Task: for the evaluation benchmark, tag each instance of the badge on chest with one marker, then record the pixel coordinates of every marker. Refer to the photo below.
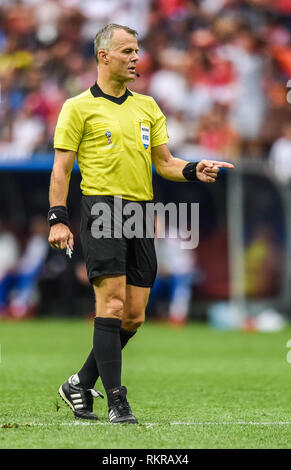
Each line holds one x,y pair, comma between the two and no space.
145,136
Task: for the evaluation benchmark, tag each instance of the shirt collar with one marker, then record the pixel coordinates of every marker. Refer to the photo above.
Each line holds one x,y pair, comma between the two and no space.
97,93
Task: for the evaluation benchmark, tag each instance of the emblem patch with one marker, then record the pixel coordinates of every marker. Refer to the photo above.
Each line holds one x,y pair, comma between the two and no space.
145,136
108,135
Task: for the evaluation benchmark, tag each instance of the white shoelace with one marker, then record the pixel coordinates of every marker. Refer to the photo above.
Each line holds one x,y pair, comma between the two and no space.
95,393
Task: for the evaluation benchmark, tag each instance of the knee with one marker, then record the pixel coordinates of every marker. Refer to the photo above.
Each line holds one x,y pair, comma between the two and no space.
114,308
131,325
133,322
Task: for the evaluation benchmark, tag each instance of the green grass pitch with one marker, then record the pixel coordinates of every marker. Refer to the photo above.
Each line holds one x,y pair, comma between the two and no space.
191,388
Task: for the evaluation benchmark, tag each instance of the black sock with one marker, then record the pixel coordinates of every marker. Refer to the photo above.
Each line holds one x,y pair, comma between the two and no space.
89,373
125,336
107,351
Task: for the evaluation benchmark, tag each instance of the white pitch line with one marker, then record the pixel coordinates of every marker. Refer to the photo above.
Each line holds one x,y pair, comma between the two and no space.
148,425
234,423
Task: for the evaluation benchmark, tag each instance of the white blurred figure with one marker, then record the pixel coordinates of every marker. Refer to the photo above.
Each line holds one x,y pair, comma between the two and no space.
47,13
163,83
24,298
249,103
168,85
27,134
199,101
134,14
280,155
179,130
175,277
98,13
212,7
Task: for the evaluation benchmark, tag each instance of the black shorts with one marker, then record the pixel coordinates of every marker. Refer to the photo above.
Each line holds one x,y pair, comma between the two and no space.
110,255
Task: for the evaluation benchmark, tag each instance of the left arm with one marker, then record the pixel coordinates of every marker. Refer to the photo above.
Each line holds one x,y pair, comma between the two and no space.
171,168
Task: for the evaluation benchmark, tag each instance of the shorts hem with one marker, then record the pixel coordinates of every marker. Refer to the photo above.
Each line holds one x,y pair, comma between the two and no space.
110,273
139,284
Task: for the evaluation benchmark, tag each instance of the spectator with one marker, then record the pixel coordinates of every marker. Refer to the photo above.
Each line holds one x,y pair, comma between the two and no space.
262,260
249,104
177,273
23,297
280,155
214,133
26,136
9,255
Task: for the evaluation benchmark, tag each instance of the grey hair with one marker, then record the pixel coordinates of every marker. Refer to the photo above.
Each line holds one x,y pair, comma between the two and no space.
104,37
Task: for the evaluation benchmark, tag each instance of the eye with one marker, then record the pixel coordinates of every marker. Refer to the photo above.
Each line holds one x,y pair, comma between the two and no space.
129,51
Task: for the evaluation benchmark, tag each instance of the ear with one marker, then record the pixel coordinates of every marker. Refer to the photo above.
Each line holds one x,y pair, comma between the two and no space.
103,56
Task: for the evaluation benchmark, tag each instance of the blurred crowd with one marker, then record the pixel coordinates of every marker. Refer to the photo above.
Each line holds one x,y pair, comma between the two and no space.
218,69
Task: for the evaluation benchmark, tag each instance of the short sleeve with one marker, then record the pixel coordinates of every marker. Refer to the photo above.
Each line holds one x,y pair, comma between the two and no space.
69,128
159,133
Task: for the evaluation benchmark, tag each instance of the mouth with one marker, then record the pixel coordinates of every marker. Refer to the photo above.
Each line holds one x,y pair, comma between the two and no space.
132,69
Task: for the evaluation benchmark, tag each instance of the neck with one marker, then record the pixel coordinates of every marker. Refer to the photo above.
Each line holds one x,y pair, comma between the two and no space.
111,87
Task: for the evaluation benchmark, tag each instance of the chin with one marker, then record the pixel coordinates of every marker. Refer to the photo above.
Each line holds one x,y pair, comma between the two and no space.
126,78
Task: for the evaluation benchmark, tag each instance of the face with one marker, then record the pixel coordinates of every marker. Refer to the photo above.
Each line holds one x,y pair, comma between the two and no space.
122,57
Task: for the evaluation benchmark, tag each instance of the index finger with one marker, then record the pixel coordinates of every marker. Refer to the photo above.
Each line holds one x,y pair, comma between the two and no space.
223,164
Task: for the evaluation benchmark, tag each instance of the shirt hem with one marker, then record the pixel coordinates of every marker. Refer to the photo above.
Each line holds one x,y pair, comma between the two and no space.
129,198
160,143
65,147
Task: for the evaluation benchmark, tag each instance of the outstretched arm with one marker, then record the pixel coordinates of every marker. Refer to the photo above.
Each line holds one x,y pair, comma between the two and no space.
171,168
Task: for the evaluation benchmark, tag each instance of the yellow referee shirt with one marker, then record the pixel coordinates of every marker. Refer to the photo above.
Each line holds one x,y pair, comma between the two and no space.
112,138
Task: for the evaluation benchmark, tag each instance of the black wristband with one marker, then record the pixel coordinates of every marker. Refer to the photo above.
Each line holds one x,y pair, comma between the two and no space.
58,215
189,171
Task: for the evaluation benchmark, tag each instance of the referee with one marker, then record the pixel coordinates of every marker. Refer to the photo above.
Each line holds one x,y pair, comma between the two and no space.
116,135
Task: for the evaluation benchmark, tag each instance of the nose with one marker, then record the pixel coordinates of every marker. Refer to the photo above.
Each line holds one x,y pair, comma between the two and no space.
135,57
